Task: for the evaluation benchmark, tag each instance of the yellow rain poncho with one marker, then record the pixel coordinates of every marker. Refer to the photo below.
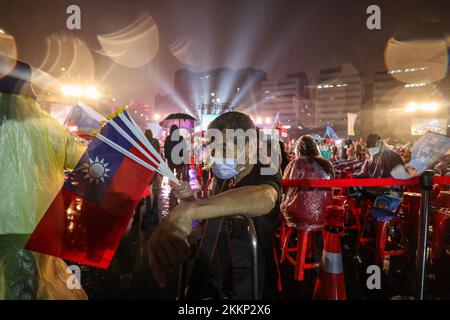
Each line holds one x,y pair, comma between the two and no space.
34,151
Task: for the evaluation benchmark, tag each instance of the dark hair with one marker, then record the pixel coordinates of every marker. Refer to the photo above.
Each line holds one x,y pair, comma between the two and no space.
148,134
232,120
16,78
307,147
372,140
173,128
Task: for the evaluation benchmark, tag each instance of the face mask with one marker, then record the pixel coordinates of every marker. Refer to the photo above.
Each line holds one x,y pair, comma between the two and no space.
225,169
374,151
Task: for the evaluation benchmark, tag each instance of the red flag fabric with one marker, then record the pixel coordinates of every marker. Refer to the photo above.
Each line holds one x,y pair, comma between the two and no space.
90,214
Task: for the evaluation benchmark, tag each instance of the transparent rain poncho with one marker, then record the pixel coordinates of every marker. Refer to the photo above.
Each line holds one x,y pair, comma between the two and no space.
305,207
35,150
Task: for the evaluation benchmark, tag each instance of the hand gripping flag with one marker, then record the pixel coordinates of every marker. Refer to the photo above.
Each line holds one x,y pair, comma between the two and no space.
88,217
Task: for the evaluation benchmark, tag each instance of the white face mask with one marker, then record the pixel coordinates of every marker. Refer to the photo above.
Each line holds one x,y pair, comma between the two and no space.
374,151
225,168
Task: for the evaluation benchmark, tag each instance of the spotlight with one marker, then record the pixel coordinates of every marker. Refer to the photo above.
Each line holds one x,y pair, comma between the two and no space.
91,93
424,107
433,106
72,91
77,91
411,107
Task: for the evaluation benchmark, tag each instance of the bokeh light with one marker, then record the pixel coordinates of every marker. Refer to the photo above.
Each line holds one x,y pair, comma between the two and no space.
8,48
183,50
417,53
133,46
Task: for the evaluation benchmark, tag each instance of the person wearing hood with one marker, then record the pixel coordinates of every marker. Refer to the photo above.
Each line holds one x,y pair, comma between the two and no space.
35,150
305,207
382,159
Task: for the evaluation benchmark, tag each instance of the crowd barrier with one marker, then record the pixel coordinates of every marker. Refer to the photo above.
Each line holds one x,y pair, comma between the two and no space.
354,182
425,181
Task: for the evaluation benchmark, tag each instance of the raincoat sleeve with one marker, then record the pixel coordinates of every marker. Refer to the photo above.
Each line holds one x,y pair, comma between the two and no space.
35,151
74,151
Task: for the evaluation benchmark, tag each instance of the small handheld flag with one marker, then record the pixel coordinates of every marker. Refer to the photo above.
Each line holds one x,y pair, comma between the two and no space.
88,217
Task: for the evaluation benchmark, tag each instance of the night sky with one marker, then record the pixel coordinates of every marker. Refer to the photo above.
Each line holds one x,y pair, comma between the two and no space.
277,36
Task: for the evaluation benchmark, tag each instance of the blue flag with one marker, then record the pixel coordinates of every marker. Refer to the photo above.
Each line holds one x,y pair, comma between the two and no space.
330,133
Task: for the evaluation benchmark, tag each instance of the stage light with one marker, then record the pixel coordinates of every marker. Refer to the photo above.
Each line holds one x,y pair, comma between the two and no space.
72,91
268,120
424,107
259,120
434,106
91,93
156,116
411,107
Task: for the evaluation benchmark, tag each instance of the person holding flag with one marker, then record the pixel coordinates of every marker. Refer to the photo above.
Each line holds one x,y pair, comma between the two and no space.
241,187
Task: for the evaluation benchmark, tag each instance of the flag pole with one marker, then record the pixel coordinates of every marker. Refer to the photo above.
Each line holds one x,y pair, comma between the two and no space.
125,152
138,133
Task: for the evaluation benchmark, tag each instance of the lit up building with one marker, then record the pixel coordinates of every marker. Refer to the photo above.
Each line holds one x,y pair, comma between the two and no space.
339,91
219,89
409,107
289,99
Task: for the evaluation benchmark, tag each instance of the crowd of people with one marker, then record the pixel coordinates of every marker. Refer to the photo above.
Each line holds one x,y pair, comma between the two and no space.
219,263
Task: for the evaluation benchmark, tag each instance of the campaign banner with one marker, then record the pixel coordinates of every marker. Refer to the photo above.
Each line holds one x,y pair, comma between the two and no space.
425,152
351,120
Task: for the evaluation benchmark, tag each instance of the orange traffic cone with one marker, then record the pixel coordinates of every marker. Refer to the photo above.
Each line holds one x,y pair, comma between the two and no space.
330,283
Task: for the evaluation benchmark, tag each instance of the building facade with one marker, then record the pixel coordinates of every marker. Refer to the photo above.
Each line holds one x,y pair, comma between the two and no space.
223,87
339,91
287,101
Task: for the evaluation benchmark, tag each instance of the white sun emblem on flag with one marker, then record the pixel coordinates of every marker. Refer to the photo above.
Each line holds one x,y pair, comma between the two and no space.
96,170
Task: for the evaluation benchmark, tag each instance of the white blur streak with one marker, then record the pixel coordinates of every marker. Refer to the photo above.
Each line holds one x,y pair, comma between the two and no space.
183,50
430,55
8,46
69,53
135,45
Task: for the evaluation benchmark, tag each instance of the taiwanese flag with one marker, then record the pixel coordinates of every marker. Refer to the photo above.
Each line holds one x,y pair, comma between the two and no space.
87,219
82,120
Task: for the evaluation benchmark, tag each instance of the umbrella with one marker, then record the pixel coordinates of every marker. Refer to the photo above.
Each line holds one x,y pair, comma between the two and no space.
181,120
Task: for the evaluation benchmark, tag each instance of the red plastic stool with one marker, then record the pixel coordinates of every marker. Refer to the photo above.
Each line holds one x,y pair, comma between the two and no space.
302,249
443,199
335,216
382,219
410,210
440,221
351,206
339,199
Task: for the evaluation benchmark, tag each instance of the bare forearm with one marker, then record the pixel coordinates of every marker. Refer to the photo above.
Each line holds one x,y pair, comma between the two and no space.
252,200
